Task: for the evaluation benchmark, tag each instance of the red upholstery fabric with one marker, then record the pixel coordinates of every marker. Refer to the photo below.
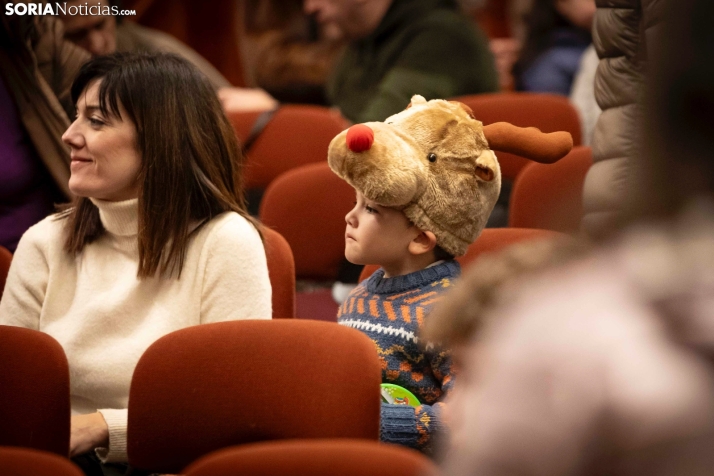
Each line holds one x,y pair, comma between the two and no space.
34,391
211,386
211,28
317,304
547,112
281,268
242,123
26,462
296,135
491,239
307,206
315,458
550,196
5,260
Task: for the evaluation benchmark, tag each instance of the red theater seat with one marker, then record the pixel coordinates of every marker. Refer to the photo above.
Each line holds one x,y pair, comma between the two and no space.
315,458
281,268
547,112
550,196
26,462
5,260
307,206
296,135
34,391
208,387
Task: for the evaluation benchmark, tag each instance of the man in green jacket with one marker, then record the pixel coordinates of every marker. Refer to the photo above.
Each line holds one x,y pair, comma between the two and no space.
398,48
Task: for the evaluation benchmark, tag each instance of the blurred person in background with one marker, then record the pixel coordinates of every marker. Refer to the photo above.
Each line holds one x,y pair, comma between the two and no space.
557,34
604,365
395,49
105,34
37,67
287,54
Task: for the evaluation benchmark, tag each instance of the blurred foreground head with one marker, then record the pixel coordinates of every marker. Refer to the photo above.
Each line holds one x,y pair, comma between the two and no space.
676,166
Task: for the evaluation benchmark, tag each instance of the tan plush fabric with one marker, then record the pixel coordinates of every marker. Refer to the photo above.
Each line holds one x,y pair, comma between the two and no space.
451,196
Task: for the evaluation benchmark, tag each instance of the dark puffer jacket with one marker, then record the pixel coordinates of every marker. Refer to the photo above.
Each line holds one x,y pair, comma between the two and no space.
622,34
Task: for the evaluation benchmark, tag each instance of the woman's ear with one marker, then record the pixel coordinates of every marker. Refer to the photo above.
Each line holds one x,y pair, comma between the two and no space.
424,242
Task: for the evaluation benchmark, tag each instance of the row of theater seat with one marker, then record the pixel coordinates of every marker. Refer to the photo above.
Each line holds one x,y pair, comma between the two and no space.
210,387
298,134
319,457
304,210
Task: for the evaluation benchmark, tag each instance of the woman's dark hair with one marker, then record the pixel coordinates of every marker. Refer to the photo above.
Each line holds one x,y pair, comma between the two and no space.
540,22
191,166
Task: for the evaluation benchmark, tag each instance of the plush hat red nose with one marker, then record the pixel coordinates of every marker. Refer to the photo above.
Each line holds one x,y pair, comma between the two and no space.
359,138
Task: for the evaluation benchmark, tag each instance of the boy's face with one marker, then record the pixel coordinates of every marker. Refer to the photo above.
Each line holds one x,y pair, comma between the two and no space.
376,234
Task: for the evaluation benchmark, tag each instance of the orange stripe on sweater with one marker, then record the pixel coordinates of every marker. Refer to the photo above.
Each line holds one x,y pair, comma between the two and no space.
373,308
389,309
406,314
420,297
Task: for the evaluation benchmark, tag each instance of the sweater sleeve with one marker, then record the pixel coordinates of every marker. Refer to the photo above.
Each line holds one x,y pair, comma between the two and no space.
27,280
117,423
422,426
236,283
423,68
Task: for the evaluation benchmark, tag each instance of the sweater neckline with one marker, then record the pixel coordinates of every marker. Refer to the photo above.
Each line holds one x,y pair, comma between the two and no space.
119,218
378,284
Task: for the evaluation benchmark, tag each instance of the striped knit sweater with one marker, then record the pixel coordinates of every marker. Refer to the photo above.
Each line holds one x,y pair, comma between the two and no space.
391,312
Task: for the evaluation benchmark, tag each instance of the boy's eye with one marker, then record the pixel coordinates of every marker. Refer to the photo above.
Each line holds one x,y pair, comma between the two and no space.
370,209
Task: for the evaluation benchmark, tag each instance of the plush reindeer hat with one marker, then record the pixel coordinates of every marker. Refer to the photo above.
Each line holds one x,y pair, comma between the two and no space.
435,162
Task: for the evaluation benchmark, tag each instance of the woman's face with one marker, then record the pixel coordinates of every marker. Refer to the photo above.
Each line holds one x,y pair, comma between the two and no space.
105,156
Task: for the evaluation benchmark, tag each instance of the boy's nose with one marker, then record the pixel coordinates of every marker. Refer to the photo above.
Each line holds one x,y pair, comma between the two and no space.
359,138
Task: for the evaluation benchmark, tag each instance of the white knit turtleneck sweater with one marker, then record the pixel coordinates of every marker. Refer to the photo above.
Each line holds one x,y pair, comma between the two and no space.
105,317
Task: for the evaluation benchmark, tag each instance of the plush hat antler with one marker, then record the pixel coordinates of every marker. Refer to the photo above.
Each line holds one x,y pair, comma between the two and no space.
435,162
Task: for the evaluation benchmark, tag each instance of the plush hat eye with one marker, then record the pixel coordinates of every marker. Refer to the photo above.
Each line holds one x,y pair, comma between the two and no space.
431,157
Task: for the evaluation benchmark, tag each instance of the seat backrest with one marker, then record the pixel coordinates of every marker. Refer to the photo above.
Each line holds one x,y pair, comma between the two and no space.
307,206
491,239
208,387
5,260
550,196
547,112
34,391
345,457
281,268
28,462
296,135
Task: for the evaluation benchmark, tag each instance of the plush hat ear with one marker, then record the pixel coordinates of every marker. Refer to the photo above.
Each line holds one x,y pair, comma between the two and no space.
528,142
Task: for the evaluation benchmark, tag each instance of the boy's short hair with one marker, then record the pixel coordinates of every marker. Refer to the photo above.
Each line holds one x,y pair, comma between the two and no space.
460,314
440,254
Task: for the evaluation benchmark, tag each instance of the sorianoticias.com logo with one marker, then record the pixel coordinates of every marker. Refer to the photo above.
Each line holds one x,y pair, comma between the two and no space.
64,9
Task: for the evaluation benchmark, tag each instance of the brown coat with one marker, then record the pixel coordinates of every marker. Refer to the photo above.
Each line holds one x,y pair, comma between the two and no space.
623,32
39,73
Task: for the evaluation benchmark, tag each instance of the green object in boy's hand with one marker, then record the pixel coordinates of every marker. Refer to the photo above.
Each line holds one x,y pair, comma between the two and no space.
397,395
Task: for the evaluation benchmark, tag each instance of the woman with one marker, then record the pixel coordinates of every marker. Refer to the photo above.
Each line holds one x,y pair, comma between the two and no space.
157,240
558,35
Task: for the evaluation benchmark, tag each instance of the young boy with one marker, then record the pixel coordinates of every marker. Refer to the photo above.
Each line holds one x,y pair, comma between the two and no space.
390,308
426,182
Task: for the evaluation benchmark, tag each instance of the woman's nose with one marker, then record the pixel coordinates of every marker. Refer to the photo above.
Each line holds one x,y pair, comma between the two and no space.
72,137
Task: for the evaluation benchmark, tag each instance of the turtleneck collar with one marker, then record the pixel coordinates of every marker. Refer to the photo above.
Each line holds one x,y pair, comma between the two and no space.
378,284
119,218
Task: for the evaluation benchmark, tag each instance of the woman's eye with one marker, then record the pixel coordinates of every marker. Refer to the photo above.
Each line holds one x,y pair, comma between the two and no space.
95,122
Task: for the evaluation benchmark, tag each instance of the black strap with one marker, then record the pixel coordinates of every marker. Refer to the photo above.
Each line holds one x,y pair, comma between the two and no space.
258,127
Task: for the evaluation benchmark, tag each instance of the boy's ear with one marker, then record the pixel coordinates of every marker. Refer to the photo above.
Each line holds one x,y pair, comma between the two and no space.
424,242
